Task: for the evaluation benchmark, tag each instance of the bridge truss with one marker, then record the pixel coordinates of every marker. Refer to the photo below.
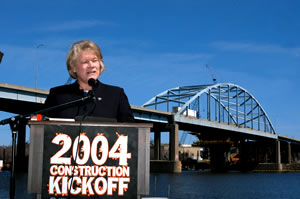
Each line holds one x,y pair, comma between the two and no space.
224,103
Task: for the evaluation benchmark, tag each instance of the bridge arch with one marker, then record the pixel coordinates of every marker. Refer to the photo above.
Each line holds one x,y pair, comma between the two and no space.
224,102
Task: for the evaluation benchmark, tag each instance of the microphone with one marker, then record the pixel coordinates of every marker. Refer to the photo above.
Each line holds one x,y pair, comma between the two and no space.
92,82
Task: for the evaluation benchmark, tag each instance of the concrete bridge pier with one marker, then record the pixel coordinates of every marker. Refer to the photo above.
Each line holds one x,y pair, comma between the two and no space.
174,148
172,165
289,153
278,155
157,135
174,142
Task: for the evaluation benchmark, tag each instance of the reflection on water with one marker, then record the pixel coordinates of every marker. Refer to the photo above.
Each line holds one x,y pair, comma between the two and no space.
21,185
198,184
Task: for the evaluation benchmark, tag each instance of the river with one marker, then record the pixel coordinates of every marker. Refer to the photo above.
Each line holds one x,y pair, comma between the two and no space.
199,184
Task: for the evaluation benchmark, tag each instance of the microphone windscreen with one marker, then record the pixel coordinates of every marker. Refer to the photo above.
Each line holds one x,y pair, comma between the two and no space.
92,82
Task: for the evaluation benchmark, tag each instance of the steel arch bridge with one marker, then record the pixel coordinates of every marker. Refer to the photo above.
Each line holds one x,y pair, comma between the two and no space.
224,103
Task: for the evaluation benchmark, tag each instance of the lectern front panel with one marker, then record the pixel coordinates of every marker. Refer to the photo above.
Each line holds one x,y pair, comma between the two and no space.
90,161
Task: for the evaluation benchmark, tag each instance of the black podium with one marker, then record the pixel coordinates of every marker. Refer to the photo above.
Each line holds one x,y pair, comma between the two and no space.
88,159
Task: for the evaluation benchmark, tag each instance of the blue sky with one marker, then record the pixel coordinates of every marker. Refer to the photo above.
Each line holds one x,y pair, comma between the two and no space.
150,46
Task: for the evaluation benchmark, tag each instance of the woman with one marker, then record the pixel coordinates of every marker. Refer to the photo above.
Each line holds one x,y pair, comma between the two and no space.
85,61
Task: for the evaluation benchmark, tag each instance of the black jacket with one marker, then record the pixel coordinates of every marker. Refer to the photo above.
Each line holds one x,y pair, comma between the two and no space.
111,102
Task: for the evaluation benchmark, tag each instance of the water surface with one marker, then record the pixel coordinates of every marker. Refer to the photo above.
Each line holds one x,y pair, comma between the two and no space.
199,184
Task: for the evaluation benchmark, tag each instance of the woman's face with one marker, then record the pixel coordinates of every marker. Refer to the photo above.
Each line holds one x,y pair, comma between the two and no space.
87,66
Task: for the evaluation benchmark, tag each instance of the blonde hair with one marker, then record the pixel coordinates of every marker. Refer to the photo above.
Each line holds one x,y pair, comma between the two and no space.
76,50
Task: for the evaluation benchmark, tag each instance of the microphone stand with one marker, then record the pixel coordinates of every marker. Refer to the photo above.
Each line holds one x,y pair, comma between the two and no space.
14,125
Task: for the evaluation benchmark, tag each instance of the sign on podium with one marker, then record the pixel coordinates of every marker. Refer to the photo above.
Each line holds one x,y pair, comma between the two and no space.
88,160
